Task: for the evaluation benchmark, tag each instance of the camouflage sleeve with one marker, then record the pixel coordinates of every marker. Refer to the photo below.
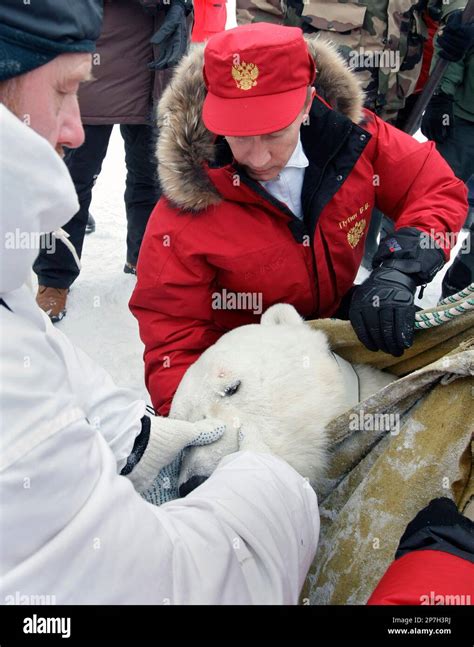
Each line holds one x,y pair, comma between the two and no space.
249,11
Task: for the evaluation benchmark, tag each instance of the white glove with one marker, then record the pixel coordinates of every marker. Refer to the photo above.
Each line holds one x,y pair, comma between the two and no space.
168,438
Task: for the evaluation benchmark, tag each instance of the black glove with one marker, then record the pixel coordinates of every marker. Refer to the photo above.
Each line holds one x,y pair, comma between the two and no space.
438,118
382,310
412,252
172,37
455,38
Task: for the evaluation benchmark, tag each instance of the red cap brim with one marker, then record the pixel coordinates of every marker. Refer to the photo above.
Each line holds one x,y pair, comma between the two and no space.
249,116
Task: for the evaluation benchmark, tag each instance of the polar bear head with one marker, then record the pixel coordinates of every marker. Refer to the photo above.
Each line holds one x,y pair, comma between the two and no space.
277,379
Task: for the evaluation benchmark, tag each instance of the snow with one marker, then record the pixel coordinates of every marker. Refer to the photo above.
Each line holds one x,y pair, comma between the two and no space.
98,318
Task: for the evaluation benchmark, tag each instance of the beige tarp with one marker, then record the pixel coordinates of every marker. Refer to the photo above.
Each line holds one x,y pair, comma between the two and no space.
378,479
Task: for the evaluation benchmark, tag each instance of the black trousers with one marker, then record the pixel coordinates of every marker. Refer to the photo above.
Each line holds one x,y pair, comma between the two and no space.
458,151
142,191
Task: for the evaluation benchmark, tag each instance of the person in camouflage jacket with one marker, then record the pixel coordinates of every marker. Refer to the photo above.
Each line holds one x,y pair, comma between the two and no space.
382,40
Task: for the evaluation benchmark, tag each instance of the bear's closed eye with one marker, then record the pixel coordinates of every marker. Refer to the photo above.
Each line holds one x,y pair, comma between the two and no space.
231,389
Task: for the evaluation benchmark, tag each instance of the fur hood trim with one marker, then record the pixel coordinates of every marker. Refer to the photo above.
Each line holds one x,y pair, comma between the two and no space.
185,144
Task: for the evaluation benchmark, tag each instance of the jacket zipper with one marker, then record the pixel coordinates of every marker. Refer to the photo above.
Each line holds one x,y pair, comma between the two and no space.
262,192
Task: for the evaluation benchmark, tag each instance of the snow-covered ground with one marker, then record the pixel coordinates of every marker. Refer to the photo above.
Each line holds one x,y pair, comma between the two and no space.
98,318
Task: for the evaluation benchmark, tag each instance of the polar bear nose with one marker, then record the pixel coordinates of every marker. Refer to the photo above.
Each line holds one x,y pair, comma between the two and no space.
191,484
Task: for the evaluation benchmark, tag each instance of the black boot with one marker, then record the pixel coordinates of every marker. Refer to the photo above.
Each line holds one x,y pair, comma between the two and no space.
129,268
90,227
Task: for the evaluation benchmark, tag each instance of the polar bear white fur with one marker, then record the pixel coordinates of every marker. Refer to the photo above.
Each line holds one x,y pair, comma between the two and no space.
276,381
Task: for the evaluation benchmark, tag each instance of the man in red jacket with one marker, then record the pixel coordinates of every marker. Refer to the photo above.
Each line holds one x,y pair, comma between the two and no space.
268,186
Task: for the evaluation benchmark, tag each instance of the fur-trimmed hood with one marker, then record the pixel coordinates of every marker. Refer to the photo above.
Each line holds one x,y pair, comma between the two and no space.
185,144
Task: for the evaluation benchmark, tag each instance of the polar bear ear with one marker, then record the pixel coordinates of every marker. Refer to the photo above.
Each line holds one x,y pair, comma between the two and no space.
281,314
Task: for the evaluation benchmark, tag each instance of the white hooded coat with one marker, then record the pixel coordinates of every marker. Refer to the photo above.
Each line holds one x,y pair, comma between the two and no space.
71,526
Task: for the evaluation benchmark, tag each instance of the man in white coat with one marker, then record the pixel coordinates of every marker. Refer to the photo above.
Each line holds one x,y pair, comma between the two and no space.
75,450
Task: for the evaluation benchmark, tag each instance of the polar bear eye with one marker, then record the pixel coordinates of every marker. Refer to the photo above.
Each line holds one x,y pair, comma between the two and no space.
231,388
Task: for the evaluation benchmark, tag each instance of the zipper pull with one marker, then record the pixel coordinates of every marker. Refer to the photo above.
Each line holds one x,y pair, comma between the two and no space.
422,290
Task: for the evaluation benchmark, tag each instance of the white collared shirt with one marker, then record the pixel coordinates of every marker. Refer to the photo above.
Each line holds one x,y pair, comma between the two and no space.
287,186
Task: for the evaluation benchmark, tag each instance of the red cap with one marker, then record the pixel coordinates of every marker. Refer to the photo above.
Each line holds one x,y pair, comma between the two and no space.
257,76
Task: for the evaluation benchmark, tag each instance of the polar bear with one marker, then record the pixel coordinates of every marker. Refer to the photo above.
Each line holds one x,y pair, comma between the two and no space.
278,381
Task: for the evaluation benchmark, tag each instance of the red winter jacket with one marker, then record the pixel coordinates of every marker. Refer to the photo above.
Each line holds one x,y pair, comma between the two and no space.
210,17
426,577
217,230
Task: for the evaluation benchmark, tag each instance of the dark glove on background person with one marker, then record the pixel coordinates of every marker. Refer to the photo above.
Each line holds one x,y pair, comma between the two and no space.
382,310
438,118
172,37
455,38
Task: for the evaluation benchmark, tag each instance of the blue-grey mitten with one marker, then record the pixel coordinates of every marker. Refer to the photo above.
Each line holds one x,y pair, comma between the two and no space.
155,475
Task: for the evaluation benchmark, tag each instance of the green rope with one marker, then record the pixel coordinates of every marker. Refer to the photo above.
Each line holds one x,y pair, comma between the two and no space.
446,310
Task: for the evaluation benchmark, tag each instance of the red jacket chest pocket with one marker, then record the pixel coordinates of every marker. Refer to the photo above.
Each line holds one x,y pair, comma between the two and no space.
281,273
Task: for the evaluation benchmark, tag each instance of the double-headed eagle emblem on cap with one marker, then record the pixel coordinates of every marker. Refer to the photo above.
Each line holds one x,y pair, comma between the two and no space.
245,75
